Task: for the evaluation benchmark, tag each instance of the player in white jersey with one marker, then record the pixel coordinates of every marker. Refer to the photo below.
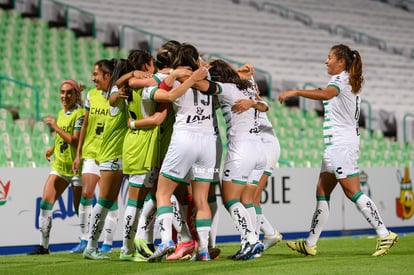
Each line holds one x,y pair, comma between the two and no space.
191,149
272,152
341,100
245,161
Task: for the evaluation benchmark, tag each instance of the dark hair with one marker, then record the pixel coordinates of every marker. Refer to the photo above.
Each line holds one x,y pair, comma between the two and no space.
105,65
137,59
167,54
221,71
187,55
353,65
120,69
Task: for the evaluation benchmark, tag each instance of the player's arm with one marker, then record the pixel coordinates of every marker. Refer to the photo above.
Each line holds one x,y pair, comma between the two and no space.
316,94
163,94
152,121
136,74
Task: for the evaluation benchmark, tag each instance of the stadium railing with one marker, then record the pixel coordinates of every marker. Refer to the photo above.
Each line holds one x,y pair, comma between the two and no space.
23,84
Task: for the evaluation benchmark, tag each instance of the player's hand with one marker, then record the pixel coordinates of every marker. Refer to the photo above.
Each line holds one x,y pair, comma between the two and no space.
75,164
181,72
286,94
242,105
48,154
199,74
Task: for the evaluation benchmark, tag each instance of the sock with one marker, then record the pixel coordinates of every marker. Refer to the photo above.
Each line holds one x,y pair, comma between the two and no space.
111,222
320,217
164,218
203,229
215,220
130,226
263,223
241,220
45,222
97,222
368,208
252,216
180,225
146,219
85,209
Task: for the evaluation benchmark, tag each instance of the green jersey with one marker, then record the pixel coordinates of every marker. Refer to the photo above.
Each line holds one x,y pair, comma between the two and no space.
114,133
98,107
64,154
141,146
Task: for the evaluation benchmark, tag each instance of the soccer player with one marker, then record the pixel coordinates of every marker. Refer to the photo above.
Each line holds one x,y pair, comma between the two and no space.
341,100
272,152
243,166
90,139
193,125
67,128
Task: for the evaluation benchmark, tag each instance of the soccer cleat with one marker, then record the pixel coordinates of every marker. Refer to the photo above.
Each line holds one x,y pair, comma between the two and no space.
384,244
203,256
181,251
214,252
80,247
94,254
39,250
163,248
249,251
106,248
302,247
269,241
143,247
233,257
134,257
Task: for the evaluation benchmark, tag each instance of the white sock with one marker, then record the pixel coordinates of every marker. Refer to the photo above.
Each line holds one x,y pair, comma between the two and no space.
203,227
97,222
266,227
45,224
252,216
214,224
320,217
146,221
111,222
368,208
84,217
164,220
130,228
179,222
241,220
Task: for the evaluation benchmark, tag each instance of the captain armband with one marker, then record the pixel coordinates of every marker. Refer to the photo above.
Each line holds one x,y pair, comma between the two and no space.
212,88
164,86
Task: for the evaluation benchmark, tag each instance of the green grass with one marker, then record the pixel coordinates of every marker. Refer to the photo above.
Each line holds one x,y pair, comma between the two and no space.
346,255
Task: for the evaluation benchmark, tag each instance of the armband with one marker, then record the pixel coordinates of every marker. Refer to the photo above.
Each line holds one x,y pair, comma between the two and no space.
164,86
132,125
212,88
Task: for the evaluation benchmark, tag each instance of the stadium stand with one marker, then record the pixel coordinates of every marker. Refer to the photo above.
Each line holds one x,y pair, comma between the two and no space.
291,49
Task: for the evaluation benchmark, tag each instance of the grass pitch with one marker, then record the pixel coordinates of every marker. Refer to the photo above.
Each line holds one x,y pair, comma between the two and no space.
345,255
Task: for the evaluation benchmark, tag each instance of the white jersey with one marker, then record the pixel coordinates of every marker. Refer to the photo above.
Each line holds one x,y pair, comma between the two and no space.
340,126
194,112
239,126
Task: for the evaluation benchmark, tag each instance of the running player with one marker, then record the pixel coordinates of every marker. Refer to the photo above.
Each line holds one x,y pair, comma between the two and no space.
341,99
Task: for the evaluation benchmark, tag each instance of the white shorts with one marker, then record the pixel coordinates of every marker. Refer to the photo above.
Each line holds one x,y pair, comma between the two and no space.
72,180
341,161
144,180
90,166
272,151
190,151
111,165
245,161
